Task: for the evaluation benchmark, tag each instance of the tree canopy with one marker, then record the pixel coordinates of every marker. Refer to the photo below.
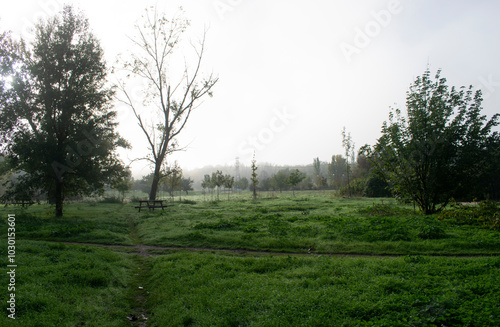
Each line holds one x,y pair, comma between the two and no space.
441,148
57,125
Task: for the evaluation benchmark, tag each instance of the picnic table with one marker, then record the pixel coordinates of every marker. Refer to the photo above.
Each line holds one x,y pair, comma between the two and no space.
22,203
150,204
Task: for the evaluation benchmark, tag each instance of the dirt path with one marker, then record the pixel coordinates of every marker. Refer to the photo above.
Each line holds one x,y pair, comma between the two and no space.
139,315
143,250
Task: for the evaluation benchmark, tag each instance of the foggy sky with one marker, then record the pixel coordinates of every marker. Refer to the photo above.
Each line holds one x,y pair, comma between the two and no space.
293,73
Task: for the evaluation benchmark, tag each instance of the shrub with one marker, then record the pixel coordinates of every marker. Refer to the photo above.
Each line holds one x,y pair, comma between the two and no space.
357,188
136,198
377,188
430,229
111,199
486,213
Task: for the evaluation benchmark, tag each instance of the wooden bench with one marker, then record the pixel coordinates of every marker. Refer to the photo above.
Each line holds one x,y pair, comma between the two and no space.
151,205
23,203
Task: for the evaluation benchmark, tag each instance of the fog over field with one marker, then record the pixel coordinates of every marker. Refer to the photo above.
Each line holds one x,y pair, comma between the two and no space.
293,73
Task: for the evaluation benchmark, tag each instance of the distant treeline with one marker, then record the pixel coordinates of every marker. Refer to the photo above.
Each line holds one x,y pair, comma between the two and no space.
319,175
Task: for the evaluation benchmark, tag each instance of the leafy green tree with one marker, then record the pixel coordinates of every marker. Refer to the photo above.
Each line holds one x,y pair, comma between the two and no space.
320,181
241,184
57,125
206,183
228,184
172,177
144,183
376,187
294,178
362,167
336,171
9,57
265,182
187,184
439,150
306,184
217,181
280,179
123,184
317,171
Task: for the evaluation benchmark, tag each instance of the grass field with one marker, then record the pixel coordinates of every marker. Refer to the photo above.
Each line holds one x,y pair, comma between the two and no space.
304,260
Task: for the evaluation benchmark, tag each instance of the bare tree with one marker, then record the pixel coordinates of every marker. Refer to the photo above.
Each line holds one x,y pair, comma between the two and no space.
168,99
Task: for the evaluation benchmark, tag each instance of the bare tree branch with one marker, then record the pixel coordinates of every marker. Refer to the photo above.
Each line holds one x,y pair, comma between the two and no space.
157,41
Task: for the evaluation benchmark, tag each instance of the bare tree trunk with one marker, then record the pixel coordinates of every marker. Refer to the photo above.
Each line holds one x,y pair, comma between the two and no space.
155,183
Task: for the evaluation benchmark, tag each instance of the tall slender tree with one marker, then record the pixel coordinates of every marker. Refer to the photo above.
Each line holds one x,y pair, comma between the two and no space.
254,179
295,178
206,184
168,99
217,181
228,184
348,145
336,171
172,177
57,122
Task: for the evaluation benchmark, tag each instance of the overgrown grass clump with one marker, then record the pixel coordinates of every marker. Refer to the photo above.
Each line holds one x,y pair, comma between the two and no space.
202,289
67,285
485,214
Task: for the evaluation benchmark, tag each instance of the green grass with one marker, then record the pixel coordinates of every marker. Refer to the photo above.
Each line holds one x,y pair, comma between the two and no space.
67,285
76,285
203,289
313,224
82,222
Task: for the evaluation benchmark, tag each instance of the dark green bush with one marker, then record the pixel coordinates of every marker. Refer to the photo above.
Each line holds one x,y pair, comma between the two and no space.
376,187
356,187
